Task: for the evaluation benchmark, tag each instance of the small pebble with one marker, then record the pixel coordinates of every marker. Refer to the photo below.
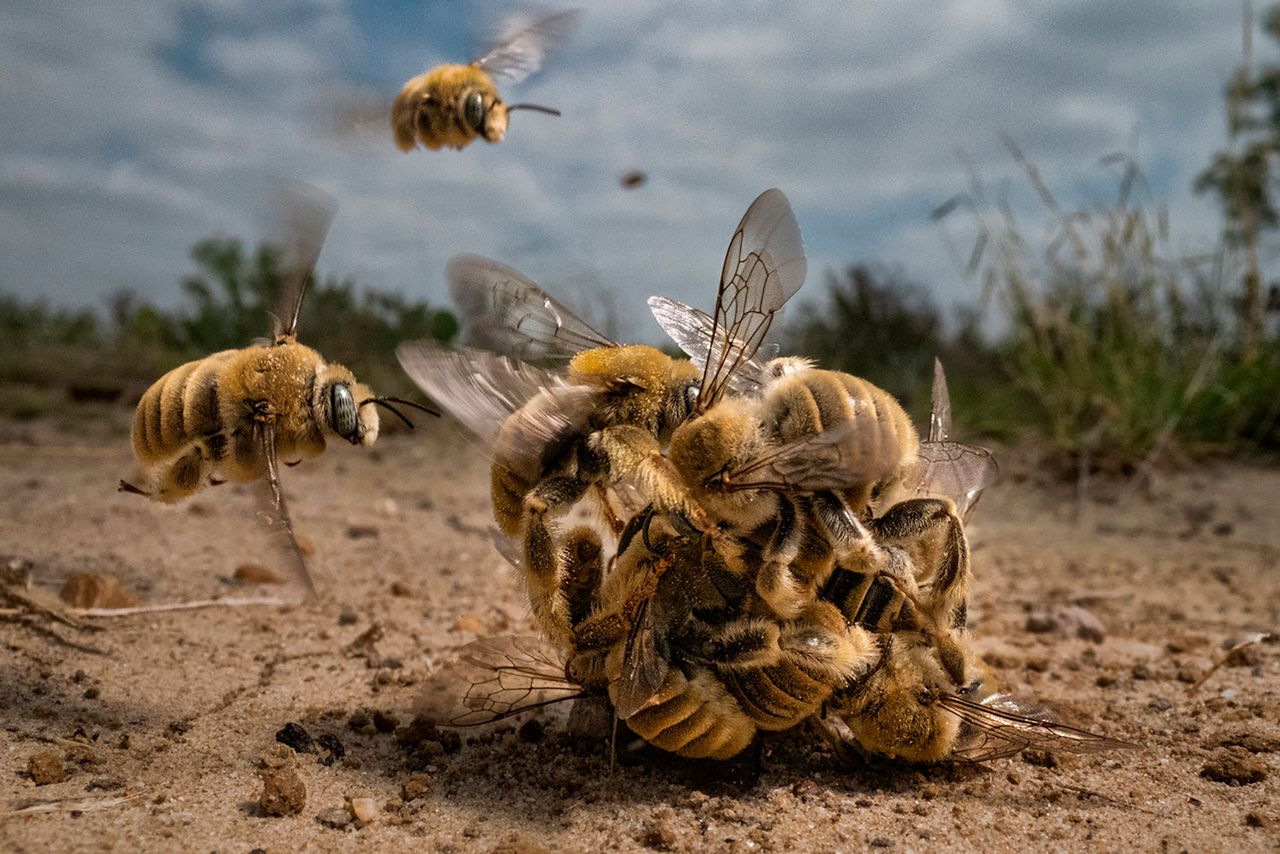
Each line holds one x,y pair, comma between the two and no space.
348,616
334,817
362,532
399,588
255,573
363,810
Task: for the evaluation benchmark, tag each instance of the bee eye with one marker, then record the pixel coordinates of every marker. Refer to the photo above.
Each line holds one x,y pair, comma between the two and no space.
342,412
473,111
691,396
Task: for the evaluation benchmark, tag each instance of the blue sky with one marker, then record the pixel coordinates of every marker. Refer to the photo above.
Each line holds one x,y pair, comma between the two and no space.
134,128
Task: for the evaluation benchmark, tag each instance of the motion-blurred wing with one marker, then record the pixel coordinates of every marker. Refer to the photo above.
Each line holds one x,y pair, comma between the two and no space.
841,457
520,414
692,329
940,411
999,727
505,312
763,268
308,213
525,44
496,678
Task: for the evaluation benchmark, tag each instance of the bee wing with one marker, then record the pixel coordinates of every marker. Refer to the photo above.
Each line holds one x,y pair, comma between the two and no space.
276,511
841,457
940,411
643,668
496,678
692,330
308,213
763,267
999,727
507,313
959,471
483,390
524,44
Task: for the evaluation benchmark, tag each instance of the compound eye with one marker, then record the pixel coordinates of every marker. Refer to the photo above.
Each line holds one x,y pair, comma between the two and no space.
473,111
691,396
342,415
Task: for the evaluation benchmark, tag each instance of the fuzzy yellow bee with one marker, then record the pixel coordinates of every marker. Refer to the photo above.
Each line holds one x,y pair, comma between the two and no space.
451,105
235,414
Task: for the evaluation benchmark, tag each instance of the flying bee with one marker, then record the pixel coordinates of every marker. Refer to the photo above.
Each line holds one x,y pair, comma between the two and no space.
451,105
607,417
233,415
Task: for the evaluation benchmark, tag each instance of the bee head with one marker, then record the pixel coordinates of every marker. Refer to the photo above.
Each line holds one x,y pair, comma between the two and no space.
484,114
339,405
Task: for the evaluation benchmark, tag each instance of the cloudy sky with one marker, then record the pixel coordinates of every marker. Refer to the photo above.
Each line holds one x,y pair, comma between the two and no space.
133,128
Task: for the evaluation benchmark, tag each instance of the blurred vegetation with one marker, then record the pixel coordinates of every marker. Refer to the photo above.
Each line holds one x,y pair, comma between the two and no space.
49,355
1107,343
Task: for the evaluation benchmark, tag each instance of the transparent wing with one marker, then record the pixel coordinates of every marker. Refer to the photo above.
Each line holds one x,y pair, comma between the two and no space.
505,312
959,471
483,391
940,411
692,329
841,457
525,44
276,510
643,669
999,727
496,678
308,213
763,268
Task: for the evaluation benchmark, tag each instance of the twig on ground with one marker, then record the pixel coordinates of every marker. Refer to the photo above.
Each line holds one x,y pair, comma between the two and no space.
179,606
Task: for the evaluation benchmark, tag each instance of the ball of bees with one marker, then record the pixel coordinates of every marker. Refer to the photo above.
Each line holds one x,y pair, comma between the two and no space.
779,546
452,105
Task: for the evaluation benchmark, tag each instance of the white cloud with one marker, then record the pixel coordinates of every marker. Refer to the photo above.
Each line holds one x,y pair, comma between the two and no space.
114,159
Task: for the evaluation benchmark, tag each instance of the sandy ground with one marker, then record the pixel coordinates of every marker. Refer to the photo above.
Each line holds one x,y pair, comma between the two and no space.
177,709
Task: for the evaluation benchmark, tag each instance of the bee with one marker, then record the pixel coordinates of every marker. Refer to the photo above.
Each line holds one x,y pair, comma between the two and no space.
555,435
787,399
451,105
235,414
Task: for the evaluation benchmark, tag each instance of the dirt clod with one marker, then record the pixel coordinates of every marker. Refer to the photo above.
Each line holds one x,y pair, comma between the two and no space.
283,792
362,532
87,590
415,787
330,748
1235,767
348,616
399,588
46,767
658,835
278,755
294,735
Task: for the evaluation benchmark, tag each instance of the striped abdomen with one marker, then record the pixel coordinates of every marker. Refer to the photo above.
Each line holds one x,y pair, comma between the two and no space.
179,408
811,401
694,716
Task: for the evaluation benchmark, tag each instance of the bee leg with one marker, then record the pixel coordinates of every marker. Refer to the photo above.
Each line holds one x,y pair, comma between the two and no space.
931,533
544,560
181,477
606,509
635,452
743,644
776,584
126,486
584,571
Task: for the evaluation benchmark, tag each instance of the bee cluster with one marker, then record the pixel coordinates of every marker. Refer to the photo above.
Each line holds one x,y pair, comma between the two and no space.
723,545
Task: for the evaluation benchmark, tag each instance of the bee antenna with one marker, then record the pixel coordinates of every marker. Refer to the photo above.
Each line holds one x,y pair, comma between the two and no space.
385,403
536,107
